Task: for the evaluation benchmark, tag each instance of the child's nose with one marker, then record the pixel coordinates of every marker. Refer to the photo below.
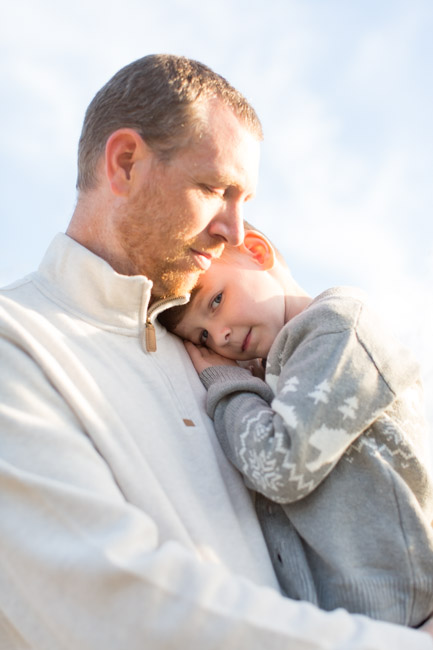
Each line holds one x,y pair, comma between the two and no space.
222,335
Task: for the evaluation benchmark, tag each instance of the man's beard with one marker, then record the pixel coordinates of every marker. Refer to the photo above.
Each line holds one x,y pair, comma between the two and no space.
175,283
156,245
173,275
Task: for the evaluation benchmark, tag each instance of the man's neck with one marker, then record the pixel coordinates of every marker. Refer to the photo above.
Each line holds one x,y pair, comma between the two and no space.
91,226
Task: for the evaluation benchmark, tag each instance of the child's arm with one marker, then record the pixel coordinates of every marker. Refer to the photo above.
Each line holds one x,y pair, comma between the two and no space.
328,392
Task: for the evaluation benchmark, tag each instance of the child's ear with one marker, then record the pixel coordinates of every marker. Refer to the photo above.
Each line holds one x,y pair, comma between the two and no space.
260,249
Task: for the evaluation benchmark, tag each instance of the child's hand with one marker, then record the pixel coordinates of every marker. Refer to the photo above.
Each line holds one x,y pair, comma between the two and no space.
428,626
203,358
255,367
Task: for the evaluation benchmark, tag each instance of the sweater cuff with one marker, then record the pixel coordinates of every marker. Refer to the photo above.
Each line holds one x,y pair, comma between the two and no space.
229,381
215,374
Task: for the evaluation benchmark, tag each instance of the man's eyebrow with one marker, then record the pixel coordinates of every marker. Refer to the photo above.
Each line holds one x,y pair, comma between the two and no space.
222,179
225,179
217,179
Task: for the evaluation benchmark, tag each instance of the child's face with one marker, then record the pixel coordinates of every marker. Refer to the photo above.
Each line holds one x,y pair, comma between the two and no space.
238,311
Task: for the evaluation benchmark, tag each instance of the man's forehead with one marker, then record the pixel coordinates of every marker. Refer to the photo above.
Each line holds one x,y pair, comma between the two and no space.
232,148
214,112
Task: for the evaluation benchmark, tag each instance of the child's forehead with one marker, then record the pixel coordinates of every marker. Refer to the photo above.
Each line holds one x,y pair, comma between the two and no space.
190,324
192,310
214,279
196,300
196,310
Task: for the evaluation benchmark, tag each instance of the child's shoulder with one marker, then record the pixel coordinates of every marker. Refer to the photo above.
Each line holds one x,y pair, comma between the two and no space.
345,314
335,309
341,298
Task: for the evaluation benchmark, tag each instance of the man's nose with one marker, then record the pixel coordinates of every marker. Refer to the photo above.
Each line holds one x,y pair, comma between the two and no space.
229,223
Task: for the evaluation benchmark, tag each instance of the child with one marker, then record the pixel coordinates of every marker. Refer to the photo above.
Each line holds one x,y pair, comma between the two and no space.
332,442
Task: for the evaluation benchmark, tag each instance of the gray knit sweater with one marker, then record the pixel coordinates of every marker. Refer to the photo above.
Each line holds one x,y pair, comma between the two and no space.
334,445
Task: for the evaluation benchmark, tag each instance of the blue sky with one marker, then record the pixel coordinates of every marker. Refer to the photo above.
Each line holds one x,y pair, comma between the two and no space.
345,94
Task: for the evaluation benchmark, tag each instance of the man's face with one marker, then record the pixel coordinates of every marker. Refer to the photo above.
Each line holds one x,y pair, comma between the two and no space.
188,208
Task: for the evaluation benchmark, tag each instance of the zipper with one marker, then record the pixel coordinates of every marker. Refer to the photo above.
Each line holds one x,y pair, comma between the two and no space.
152,313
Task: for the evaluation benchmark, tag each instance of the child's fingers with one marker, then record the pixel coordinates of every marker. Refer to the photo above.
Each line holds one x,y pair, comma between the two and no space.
195,353
192,350
202,357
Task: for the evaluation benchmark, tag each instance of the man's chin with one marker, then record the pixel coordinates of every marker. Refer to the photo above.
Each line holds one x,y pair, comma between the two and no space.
174,284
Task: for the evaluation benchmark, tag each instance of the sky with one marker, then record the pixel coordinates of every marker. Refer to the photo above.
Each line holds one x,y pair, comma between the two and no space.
345,95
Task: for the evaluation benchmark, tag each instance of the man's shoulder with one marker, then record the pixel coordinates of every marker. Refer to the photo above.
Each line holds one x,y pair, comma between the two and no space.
11,288
16,292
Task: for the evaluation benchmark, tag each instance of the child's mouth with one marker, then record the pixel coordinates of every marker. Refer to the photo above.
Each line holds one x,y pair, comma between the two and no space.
246,340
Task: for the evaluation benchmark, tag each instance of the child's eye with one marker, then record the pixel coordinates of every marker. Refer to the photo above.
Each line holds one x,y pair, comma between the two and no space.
216,301
203,337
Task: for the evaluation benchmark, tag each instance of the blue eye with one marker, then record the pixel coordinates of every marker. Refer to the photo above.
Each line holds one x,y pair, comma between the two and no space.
216,301
203,337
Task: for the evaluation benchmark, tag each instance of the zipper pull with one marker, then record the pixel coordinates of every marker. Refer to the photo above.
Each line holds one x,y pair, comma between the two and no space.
150,337
149,333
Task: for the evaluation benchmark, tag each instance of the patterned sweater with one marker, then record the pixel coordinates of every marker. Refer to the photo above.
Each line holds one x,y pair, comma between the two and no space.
334,445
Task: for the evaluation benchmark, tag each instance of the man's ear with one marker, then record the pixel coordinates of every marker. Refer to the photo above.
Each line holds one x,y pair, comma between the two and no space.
260,249
124,147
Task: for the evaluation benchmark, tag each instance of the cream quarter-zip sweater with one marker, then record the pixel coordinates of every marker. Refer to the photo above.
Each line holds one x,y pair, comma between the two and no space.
123,526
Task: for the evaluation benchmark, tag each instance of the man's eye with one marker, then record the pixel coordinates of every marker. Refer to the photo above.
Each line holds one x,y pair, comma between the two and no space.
203,337
215,191
216,301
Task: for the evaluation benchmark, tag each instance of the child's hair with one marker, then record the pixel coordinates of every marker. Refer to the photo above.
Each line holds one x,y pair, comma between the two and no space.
171,318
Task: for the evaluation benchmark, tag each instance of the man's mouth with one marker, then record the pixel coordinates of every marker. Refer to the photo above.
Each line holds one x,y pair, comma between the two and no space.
246,342
203,260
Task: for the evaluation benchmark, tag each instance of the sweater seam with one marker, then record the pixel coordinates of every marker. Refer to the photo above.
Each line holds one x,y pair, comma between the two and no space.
406,543
368,353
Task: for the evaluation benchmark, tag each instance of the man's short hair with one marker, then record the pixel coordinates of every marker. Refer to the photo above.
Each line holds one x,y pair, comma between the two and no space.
158,96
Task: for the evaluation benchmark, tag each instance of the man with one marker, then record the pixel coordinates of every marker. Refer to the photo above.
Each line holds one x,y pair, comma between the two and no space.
123,526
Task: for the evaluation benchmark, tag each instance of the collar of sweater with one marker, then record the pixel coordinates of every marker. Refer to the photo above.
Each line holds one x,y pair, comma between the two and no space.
88,286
